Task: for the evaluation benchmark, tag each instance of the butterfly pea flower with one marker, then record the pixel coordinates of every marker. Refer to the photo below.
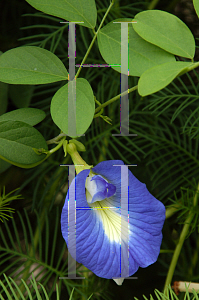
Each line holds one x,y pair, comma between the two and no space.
97,193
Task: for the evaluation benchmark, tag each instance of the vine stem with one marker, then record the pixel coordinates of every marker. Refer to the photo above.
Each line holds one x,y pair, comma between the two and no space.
94,38
177,252
115,98
178,248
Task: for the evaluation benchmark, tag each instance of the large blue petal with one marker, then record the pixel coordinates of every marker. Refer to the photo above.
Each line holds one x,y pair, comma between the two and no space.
98,229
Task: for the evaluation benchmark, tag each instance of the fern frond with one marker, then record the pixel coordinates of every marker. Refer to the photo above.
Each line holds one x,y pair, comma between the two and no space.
47,33
4,202
178,96
23,258
169,294
171,155
184,205
13,291
38,291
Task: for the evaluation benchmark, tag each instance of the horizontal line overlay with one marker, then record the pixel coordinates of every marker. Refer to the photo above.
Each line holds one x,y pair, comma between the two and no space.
98,207
96,65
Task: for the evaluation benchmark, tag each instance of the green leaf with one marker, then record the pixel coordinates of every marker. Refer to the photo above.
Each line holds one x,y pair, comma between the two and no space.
85,107
160,76
142,55
31,116
17,140
70,10
3,97
21,94
196,6
31,65
165,31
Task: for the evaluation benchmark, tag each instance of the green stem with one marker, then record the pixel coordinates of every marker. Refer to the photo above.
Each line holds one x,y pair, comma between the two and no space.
188,69
99,114
85,282
170,211
192,67
94,38
178,248
101,111
177,252
56,139
58,146
115,98
153,4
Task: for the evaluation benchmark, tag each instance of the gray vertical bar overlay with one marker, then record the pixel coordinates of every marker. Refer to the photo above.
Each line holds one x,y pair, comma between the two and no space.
71,225
124,254
72,131
124,103
124,221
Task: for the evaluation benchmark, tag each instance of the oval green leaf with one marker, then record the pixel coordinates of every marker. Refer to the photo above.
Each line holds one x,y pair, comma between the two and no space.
31,65
165,31
196,6
70,10
17,140
160,76
31,116
85,107
142,55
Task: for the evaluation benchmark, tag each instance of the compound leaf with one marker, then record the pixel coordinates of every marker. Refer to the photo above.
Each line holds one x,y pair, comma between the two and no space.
142,55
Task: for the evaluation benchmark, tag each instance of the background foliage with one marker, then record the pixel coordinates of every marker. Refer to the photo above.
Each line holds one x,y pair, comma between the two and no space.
165,151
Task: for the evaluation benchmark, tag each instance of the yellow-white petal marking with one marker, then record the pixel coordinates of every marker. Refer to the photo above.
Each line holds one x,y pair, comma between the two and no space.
106,212
111,220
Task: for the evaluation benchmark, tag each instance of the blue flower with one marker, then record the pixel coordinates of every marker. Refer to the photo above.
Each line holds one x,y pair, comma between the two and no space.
97,213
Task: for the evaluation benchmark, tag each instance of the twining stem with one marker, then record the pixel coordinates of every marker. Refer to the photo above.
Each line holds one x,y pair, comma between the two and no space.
178,248
115,98
94,38
58,146
56,139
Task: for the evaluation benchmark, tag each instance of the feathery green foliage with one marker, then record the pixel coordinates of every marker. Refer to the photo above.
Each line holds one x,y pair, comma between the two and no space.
165,149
